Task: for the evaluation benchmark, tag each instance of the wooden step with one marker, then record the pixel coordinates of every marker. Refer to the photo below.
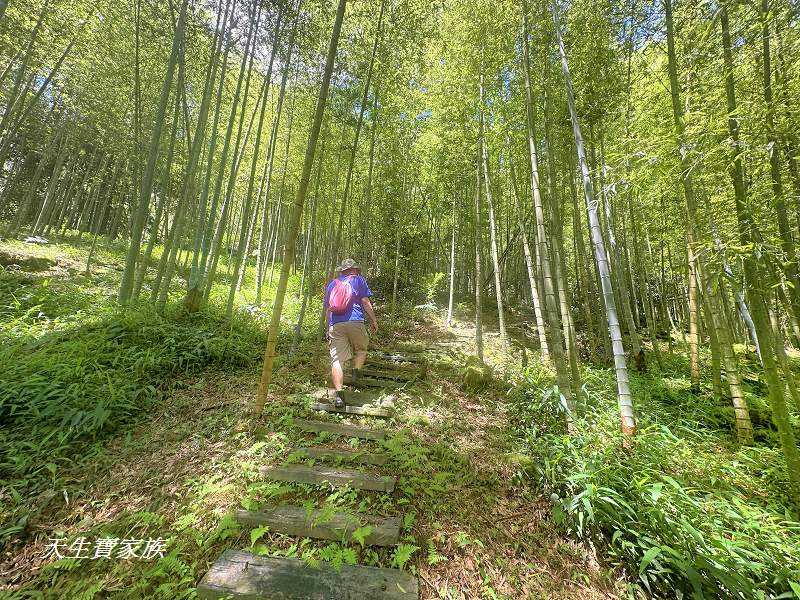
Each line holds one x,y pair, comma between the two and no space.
322,475
391,363
350,456
371,411
339,526
400,357
370,382
355,397
407,369
407,346
375,372
455,343
345,430
388,370
361,397
238,574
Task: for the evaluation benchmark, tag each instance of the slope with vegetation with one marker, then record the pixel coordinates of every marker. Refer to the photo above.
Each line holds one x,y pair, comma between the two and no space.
591,209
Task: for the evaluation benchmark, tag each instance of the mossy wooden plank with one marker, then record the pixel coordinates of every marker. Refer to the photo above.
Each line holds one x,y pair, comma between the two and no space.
369,382
242,575
398,357
362,397
371,411
319,524
375,397
345,430
323,475
397,369
392,360
387,364
350,456
411,347
375,372
419,369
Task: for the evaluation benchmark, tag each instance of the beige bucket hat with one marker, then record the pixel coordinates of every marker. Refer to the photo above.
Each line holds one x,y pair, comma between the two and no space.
347,264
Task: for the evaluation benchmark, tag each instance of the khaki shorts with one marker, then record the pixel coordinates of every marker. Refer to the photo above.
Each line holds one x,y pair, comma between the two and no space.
347,339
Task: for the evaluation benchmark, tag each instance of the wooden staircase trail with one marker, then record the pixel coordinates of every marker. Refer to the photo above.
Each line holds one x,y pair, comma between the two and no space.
238,574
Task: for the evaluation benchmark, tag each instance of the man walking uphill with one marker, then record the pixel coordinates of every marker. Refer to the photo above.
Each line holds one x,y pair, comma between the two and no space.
346,304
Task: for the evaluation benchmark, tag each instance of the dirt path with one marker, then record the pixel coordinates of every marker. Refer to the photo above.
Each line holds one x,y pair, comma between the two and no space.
471,526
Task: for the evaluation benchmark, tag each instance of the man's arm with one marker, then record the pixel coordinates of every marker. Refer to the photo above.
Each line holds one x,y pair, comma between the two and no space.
327,312
373,323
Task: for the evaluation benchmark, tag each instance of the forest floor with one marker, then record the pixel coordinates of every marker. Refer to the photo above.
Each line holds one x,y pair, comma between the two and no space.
473,525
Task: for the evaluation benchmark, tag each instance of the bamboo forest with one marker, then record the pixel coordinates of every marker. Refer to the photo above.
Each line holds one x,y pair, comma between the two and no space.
398,299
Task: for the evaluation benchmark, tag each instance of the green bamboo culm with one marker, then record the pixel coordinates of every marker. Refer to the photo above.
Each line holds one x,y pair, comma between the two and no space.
143,204
297,213
754,276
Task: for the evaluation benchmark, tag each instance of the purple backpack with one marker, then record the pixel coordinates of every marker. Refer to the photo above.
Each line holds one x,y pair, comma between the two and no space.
341,297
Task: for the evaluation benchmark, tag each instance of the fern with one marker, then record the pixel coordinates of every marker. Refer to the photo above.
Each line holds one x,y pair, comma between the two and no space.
434,558
325,515
402,554
361,534
257,534
349,556
332,553
185,521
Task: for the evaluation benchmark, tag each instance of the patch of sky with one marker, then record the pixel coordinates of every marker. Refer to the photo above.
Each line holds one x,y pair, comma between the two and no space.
507,76
643,27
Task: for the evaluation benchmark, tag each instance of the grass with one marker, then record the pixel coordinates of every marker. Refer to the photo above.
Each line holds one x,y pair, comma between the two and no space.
77,368
174,461
684,510
133,425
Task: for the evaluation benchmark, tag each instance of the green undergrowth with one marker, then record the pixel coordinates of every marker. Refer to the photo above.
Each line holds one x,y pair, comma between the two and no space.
683,511
78,369
61,397
200,524
179,466
422,478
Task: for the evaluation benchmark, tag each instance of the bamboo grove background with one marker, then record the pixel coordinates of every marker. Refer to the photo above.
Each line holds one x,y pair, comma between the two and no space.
623,167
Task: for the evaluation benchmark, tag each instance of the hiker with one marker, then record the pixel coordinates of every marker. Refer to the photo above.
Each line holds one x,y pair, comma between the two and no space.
346,304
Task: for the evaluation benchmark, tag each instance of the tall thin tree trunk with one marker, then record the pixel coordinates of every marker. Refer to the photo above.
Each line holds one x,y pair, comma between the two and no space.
452,267
552,320
753,273
305,284
359,123
558,260
773,147
297,212
398,234
492,226
267,178
143,207
478,273
625,400
688,190
526,249
48,197
162,201
246,209
200,281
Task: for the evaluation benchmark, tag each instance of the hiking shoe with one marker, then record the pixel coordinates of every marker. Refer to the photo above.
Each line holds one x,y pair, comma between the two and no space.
338,403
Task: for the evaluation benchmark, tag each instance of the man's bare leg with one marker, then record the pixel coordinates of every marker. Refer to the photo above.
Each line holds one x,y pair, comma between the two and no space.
359,359
337,376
